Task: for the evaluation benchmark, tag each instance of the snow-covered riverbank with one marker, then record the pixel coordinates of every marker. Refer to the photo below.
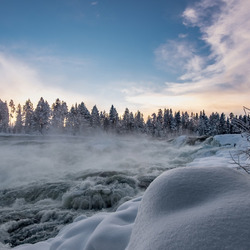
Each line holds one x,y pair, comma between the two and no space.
202,201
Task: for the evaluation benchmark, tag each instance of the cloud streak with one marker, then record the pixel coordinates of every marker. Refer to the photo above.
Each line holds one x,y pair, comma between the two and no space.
227,35
222,74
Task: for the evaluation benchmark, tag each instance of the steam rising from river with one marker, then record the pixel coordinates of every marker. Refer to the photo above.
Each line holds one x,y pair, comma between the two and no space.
46,182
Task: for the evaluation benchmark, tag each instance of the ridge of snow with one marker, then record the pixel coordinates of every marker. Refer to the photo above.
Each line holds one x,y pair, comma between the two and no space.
194,208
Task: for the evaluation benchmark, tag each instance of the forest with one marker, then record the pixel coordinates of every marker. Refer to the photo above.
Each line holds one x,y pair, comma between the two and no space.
78,120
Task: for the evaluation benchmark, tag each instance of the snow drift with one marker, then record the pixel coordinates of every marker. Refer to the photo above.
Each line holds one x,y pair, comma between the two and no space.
184,208
194,208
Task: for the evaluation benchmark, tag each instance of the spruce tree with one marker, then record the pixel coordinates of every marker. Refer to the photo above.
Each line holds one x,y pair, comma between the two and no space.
126,121
42,115
4,117
113,118
59,115
28,115
18,128
95,118
139,122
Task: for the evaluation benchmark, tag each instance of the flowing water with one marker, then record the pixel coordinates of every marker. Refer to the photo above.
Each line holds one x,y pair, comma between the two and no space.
46,182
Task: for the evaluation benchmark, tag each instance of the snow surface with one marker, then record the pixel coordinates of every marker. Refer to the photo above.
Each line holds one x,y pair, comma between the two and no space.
106,231
194,208
205,205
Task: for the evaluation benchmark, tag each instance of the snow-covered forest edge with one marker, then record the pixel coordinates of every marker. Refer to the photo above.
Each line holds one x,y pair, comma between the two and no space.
78,120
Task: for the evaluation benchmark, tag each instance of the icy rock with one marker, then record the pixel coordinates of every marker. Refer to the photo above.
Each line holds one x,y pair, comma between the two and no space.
194,208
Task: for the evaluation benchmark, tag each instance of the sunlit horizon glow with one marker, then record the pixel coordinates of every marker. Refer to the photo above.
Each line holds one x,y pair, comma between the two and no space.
189,56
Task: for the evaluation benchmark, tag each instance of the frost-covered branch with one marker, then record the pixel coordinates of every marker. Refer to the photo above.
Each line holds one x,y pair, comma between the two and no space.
244,126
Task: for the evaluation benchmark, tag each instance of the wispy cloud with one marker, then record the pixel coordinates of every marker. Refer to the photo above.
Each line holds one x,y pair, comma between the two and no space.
182,57
19,81
221,77
43,74
181,35
227,35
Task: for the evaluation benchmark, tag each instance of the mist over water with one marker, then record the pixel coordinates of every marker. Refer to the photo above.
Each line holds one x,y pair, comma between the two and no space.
46,182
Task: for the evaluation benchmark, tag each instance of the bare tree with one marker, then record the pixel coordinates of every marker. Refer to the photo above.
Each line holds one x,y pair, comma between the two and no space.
244,126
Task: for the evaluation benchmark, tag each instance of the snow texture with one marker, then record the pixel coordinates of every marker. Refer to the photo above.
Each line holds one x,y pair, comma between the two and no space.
104,231
194,208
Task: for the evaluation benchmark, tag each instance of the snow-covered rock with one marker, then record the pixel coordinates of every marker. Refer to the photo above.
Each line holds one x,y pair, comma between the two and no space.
194,208
103,231
229,140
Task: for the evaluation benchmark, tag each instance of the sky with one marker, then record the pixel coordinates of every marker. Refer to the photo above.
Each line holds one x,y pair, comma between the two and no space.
187,55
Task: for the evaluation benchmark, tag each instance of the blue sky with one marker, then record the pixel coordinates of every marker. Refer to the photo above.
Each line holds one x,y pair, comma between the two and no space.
144,55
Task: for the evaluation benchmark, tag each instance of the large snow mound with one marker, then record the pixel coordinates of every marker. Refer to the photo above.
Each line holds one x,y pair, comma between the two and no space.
194,208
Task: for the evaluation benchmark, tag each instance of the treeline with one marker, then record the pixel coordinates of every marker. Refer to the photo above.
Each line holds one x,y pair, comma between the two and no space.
78,120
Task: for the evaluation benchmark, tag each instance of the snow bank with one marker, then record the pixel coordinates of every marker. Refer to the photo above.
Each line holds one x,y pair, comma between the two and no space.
194,208
229,140
103,231
224,147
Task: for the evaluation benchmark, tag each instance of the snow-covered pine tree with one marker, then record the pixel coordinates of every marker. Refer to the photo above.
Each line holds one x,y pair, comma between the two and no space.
42,115
153,124
172,123
131,122
228,126
159,124
84,118
28,115
77,120
18,128
103,115
166,122
149,126
214,121
177,119
184,122
59,114
139,122
95,118
194,123
203,126
4,117
104,119
11,113
125,121
113,118
70,121
222,124
232,128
